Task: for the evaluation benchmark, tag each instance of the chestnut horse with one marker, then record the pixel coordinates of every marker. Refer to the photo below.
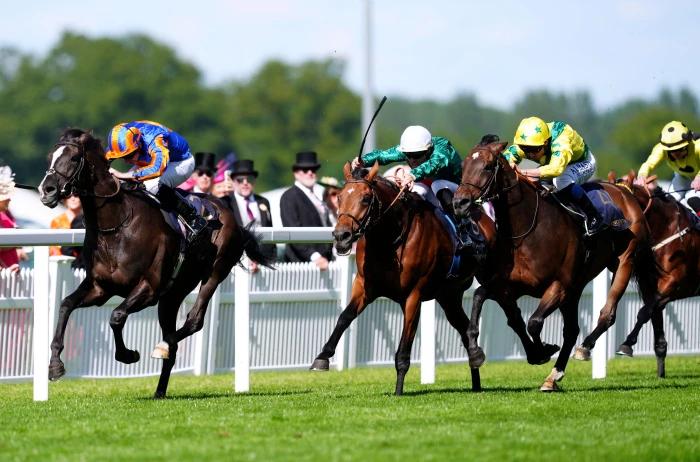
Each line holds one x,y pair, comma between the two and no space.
540,252
677,249
404,253
132,252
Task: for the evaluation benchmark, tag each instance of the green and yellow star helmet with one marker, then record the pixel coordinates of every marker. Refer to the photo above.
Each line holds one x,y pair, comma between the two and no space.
532,131
675,135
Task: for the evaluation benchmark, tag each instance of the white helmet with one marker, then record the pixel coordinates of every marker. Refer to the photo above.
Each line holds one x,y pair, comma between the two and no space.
415,139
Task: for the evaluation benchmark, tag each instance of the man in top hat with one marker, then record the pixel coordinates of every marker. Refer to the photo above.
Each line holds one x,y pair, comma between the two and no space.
204,169
302,205
247,206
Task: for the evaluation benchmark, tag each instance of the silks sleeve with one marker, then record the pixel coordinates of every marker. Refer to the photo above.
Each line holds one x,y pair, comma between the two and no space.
513,154
654,159
562,152
384,157
160,155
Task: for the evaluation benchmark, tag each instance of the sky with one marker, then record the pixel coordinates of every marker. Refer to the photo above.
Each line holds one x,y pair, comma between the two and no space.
496,50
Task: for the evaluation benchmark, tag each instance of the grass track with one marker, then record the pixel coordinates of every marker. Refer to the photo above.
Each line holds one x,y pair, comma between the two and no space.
352,415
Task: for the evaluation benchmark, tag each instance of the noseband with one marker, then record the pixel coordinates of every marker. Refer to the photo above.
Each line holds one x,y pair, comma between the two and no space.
366,222
484,190
69,187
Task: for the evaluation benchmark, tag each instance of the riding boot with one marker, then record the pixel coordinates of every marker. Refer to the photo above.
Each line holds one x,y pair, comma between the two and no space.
172,201
694,203
594,221
468,235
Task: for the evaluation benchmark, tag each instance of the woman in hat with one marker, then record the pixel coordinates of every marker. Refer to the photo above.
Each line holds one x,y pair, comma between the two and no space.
9,256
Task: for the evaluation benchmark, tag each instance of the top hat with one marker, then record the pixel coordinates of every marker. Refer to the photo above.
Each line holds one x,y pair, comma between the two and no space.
205,161
306,159
243,167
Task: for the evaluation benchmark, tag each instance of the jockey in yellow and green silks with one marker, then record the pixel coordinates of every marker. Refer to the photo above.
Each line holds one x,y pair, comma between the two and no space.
681,152
564,159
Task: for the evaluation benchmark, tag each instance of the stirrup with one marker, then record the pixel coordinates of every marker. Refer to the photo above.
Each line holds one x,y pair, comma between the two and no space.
195,227
591,229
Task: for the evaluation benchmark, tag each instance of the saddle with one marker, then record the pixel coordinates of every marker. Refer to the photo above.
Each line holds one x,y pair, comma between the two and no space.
467,242
610,213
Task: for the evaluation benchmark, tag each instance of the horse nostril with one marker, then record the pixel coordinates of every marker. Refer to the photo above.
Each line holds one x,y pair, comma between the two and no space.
341,236
49,190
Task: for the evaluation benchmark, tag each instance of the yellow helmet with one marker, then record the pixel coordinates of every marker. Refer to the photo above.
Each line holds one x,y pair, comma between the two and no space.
675,135
532,131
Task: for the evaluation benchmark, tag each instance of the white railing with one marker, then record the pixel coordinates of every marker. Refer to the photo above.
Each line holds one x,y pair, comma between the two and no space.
281,320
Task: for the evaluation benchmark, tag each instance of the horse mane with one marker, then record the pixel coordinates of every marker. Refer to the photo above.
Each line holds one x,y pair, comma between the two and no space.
74,134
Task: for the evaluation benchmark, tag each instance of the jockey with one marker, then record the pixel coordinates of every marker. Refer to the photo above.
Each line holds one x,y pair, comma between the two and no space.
161,159
436,167
682,154
435,172
564,159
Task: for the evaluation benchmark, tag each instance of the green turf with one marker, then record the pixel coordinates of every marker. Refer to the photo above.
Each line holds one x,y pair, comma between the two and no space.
352,415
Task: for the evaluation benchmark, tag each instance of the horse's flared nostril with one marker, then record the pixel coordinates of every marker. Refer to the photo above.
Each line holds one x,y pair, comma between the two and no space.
341,235
49,190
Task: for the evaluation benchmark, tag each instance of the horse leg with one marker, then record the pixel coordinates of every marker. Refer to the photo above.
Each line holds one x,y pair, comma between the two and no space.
137,300
476,354
643,316
167,317
402,360
660,344
607,314
451,304
86,294
569,311
549,302
358,302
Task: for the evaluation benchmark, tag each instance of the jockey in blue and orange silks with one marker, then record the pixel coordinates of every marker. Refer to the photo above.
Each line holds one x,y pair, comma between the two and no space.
161,160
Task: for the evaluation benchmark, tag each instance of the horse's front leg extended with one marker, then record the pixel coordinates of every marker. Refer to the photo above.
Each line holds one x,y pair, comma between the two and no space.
476,354
139,298
87,294
402,360
549,302
358,302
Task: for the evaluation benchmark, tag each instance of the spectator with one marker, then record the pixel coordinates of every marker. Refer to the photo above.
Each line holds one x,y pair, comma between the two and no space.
331,190
64,220
247,206
204,169
302,205
80,261
9,256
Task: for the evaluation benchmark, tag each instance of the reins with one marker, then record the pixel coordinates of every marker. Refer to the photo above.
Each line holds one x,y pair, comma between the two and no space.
70,183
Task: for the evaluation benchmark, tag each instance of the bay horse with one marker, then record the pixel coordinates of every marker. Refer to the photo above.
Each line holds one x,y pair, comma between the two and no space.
404,253
132,252
540,252
677,250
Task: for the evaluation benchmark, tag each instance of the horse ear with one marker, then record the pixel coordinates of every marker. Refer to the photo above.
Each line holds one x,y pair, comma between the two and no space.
498,148
631,176
373,171
612,176
347,171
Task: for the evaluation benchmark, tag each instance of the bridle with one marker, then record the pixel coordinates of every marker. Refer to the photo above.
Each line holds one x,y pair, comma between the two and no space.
69,187
366,222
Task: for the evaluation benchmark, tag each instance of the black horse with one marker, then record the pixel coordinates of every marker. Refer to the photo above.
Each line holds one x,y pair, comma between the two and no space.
133,253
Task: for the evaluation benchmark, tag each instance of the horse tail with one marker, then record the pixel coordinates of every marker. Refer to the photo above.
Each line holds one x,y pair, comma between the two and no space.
253,247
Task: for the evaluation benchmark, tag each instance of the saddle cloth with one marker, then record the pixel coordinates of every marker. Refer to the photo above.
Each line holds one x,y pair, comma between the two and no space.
601,200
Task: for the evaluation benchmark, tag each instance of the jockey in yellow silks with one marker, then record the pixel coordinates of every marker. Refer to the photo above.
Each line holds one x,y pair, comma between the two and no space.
682,153
564,159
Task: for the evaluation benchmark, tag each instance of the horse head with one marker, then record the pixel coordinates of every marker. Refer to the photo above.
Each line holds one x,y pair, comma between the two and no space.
359,205
76,166
480,176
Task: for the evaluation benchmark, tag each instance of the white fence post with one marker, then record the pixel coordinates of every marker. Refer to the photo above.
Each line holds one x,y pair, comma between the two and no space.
214,313
599,355
341,357
427,342
242,327
41,323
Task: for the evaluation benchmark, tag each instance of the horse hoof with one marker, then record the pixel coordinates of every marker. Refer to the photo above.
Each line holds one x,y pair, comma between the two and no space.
582,353
128,357
477,359
624,350
161,351
56,371
320,364
549,386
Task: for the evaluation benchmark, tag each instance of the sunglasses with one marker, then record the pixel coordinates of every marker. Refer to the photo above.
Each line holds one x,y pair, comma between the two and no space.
530,149
245,179
306,170
415,155
205,173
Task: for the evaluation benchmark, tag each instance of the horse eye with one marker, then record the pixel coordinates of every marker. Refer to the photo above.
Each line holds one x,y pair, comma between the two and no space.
366,199
489,168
